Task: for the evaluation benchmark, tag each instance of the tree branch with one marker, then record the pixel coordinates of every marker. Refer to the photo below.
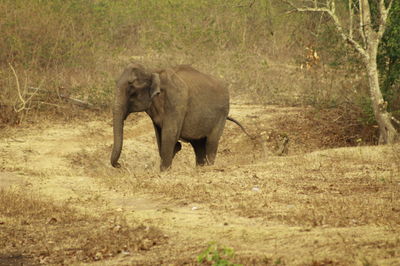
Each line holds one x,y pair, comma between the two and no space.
361,27
351,14
330,10
346,37
384,12
21,98
395,120
370,33
307,9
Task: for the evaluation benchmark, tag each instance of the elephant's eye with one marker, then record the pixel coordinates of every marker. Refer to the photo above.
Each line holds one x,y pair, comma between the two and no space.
133,94
139,84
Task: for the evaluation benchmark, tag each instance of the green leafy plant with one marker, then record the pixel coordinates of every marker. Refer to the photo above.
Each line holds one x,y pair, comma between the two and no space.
217,255
389,60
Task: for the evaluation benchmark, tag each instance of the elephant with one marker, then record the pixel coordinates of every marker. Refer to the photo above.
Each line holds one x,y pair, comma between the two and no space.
183,104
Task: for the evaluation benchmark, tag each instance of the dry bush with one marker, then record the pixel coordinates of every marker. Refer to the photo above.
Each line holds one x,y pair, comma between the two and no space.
40,231
327,128
82,35
78,49
56,46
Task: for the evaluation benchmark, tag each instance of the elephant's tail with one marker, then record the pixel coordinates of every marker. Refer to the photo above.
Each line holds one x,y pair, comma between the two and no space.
240,125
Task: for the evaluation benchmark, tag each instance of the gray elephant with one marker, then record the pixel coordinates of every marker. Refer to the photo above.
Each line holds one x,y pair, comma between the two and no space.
183,103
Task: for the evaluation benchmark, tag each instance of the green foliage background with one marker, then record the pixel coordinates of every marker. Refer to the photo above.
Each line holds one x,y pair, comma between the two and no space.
389,60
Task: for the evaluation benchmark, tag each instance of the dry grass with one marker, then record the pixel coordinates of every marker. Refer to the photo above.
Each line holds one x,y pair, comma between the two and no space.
318,205
37,231
343,202
321,189
328,206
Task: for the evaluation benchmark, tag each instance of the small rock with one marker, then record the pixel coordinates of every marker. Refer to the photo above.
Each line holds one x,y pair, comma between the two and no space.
52,220
98,256
125,253
117,228
146,244
80,255
44,260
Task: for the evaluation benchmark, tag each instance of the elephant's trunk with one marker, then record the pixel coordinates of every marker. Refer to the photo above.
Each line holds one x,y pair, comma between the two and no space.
119,114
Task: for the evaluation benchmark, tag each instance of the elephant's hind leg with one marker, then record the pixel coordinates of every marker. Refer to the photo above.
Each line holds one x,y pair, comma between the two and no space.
199,147
212,142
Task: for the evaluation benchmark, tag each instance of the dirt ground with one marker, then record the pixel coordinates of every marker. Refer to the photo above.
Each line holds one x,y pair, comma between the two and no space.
309,205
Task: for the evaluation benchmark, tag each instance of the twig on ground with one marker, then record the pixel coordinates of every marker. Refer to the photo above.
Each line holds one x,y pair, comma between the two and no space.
74,101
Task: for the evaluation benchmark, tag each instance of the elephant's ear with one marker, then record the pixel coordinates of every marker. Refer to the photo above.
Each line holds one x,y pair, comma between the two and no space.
155,85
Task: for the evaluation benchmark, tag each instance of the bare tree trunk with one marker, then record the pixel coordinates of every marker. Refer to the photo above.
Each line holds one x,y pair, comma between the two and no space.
367,46
387,132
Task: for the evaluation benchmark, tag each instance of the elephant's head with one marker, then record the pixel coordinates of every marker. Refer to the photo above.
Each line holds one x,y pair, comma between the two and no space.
135,89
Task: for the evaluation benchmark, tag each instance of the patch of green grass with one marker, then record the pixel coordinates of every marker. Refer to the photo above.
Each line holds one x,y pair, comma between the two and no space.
217,255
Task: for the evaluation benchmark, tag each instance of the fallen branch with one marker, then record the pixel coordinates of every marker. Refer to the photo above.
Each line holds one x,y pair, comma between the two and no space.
74,101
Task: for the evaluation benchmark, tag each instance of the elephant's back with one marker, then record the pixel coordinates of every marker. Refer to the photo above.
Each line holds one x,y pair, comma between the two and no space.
207,103
203,88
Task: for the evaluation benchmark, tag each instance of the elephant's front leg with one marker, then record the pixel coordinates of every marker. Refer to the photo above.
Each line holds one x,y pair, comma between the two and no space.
157,130
169,146
178,145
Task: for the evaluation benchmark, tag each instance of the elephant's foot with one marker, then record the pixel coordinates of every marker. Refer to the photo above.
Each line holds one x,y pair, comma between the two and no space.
116,165
166,163
164,167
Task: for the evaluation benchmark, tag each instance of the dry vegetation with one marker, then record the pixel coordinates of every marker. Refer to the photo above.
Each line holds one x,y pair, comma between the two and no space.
38,231
315,206
76,49
330,200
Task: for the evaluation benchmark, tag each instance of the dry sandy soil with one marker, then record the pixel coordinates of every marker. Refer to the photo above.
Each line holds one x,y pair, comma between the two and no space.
62,203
